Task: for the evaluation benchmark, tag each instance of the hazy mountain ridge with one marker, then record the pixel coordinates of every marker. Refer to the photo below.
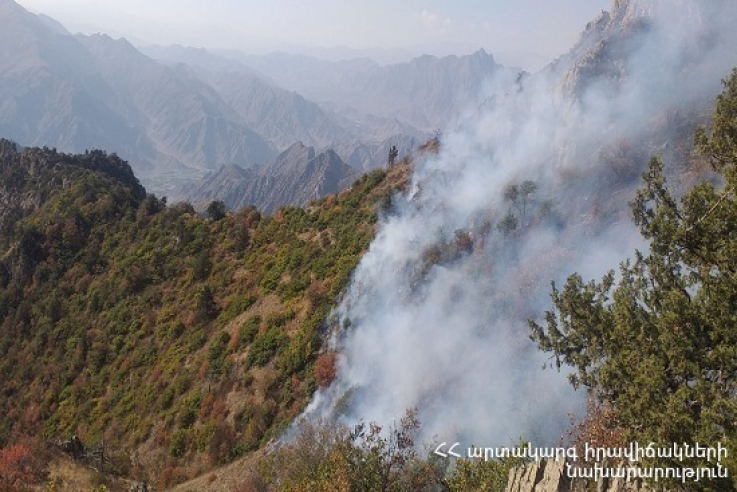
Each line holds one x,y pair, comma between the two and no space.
194,111
295,177
253,95
185,117
427,92
83,92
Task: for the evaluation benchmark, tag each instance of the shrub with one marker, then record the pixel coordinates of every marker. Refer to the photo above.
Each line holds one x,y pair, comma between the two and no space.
325,369
265,346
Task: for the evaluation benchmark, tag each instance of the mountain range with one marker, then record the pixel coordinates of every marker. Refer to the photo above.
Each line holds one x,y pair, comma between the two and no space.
428,93
172,343
178,113
295,177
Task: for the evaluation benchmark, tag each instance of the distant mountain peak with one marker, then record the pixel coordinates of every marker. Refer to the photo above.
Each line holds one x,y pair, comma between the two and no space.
294,177
8,5
54,25
482,53
14,10
647,35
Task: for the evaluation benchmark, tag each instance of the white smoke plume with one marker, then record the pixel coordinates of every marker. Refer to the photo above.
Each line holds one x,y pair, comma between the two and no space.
436,314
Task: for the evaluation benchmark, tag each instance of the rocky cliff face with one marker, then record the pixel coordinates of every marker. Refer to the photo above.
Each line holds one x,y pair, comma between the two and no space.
655,37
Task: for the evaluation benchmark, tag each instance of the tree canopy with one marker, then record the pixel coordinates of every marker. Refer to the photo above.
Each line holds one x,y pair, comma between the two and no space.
658,342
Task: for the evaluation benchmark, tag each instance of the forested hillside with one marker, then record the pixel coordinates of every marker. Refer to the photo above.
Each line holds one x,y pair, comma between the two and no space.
655,346
179,341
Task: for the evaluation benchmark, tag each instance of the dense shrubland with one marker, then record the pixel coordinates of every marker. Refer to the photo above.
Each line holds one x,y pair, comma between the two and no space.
180,340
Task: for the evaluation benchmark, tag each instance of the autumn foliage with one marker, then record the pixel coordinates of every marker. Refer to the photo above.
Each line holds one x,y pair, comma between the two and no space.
18,468
325,369
598,428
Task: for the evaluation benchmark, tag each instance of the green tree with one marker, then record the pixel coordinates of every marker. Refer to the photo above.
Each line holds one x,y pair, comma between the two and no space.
511,193
216,210
508,224
660,344
206,307
527,189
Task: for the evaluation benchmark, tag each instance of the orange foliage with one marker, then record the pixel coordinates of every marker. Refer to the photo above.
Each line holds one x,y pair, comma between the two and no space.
17,468
598,428
325,369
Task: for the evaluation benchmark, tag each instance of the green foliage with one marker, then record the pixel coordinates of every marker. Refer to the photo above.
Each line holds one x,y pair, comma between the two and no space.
178,444
216,210
217,352
721,145
249,330
659,344
189,407
508,224
103,286
116,309
266,346
206,308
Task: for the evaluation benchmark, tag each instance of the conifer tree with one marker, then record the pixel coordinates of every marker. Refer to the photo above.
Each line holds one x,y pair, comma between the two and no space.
660,344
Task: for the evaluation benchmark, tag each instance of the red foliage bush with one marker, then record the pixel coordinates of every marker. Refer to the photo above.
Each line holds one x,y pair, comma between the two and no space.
598,428
325,369
18,469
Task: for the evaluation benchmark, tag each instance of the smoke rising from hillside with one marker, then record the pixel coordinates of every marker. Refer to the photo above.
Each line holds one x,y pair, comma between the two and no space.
435,317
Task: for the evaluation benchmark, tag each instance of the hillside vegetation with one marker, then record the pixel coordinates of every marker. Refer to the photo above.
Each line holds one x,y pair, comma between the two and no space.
178,341
655,346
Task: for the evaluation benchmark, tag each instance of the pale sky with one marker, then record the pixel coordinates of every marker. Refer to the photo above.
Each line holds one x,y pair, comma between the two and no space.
527,33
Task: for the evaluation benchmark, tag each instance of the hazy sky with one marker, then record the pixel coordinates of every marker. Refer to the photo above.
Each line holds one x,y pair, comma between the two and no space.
517,32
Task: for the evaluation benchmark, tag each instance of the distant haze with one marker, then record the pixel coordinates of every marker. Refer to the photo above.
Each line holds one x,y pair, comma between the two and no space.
526,33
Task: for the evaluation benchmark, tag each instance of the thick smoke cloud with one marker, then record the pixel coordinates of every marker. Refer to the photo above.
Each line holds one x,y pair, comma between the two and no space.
435,317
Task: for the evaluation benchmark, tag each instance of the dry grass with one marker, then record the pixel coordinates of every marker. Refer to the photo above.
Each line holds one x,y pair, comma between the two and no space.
66,475
227,478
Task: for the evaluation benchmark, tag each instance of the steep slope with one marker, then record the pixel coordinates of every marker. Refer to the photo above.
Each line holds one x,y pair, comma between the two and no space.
280,116
181,342
295,177
79,92
185,117
426,92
